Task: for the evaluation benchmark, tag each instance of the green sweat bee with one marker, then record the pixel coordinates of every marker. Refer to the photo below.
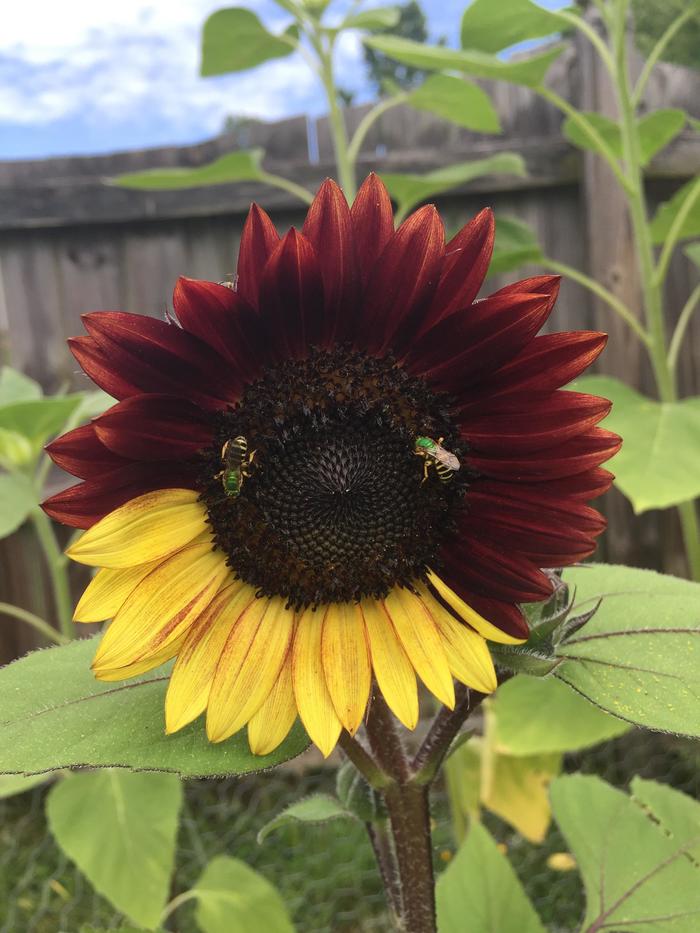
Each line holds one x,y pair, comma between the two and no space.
446,463
236,462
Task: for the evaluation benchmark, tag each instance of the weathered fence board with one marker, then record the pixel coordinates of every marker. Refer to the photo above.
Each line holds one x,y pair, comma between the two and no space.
70,244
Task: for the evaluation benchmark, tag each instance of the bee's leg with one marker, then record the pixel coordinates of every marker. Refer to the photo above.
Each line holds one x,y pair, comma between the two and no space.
426,465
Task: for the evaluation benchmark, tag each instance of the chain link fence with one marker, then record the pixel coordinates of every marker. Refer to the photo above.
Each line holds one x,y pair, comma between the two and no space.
326,873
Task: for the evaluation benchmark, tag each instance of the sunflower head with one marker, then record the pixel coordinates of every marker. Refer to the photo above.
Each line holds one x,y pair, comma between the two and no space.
341,470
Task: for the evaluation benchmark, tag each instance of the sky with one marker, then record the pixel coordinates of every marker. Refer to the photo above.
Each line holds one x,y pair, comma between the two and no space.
84,77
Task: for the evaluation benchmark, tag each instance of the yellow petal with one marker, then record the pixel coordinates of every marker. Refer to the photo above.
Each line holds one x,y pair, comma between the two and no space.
471,616
269,727
421,641
310,691
111,674
192,676
162,607
393,670
107,591
147,528
249,666
467,652
346,662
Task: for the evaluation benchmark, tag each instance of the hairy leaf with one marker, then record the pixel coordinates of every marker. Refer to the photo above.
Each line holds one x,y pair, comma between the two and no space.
234,39
234,166
490,26
318,808
54,714
457,100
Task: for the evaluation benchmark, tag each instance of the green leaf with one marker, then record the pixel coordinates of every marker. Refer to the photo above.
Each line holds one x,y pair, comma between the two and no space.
692,251
56,715
318,808
16,387
639,655
490,26
528,71
93,403
39,419
130,859
383,17
234,39
639,874
656,130
457,100
479,884
16,450
535,715
516,243
17,499
234,166
409,190
13,784
666,213
231,896
657,465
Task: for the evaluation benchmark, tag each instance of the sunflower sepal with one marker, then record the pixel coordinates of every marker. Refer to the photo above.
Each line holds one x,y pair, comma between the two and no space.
356,795
521,659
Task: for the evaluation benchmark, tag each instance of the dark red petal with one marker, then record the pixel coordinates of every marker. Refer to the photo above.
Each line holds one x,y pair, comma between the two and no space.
536,284
328,227
539,423
544,549
82,505
539,505
467,258
458,351
155,427
258,240
100,368
222,318
159,357
402,284
496,572
582,453
373,223
81,453
504,615
547,363
291,296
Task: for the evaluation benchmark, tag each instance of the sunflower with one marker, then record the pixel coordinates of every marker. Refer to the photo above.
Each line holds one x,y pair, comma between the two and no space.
339,469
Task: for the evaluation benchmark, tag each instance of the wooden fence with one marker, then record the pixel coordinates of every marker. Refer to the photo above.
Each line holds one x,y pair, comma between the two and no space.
69,244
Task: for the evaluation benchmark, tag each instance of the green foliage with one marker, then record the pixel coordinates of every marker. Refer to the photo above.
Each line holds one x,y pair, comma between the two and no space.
480,884
692,251
637,855
16,387
515,245
652,18
130,858
529,72
667,212
491,27
379,18
56,715
383,70
318,808
38,419
13,784
657,465
409,190
232,896
536,715
234,39
244,165
460,101
639,655
17,500
656,130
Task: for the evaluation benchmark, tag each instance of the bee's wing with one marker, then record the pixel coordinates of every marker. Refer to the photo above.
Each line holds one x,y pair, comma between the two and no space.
446,457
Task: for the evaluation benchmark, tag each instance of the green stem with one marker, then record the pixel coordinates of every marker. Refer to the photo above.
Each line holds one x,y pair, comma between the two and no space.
176,902
618,306
58,572
278,181
584,27
344,165
674,348
658,51
368,121
651,280
589,130
48,631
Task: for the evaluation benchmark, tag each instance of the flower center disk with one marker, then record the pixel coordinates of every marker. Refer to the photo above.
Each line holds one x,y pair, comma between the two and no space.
334,506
